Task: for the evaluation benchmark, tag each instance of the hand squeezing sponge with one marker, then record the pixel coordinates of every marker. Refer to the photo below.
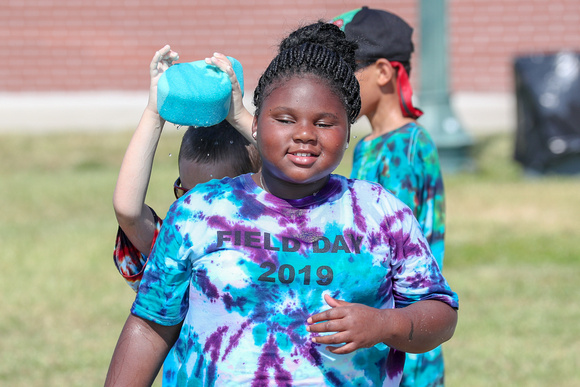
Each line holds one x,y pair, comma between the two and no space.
195,93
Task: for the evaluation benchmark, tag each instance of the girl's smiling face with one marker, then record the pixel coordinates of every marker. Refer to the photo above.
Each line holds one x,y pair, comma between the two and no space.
302,132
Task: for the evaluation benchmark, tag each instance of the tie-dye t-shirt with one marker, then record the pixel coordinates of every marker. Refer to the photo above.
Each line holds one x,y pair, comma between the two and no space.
244,269
405,161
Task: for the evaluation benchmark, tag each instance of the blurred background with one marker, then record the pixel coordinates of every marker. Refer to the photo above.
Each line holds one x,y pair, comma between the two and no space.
73,85
72,64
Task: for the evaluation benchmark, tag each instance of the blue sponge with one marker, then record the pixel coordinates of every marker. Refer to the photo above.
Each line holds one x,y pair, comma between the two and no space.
195,93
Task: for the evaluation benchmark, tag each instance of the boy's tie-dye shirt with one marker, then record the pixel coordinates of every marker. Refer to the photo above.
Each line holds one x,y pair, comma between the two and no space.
405,161
245,269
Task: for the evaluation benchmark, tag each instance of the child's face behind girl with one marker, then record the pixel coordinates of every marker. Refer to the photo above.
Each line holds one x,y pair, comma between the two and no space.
301,132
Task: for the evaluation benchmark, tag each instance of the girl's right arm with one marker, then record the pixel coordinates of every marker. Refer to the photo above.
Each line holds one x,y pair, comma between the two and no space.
133,215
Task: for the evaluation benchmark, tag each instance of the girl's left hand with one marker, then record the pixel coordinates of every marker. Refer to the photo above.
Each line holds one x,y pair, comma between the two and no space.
356,325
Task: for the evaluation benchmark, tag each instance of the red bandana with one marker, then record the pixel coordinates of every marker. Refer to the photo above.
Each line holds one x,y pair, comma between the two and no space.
405,92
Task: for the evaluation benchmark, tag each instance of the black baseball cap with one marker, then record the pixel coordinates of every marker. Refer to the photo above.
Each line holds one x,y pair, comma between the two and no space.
379,34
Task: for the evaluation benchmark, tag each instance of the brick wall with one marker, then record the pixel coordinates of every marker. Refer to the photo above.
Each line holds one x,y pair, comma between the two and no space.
74,45
486,35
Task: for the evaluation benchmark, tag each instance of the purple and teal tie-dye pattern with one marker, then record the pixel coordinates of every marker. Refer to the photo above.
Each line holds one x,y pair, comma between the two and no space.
245,269
405,161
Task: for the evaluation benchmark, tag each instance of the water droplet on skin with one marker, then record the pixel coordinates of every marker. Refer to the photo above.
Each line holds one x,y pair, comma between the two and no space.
170,155
178,127
354,136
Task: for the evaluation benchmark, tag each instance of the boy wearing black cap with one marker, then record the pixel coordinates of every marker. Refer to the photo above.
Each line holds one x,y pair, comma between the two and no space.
399,153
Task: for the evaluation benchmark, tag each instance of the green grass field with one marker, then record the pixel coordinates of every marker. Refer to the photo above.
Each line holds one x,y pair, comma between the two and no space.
511,254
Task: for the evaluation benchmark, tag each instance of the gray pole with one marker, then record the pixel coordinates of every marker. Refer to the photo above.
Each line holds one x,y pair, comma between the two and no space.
453,143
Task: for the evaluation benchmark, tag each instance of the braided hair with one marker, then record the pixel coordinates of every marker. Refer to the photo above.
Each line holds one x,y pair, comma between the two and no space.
320,49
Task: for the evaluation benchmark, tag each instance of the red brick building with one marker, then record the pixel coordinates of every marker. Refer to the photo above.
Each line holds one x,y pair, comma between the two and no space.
75,46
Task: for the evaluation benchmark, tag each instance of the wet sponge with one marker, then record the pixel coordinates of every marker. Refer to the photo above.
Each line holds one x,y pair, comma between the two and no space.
195,93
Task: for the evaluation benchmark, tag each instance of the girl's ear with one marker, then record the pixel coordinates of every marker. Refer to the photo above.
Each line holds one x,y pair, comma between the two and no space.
386,71
255,127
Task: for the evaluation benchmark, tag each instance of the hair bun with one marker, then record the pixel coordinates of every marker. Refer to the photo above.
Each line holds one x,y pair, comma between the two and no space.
323,34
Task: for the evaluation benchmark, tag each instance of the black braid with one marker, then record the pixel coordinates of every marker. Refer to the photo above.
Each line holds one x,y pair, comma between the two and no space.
320,49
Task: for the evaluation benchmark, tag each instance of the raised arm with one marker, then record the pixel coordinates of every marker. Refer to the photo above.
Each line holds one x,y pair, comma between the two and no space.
239,117
417,328
140,352
133,216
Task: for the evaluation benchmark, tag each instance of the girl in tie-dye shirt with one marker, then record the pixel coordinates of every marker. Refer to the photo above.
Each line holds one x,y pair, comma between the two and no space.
290,276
